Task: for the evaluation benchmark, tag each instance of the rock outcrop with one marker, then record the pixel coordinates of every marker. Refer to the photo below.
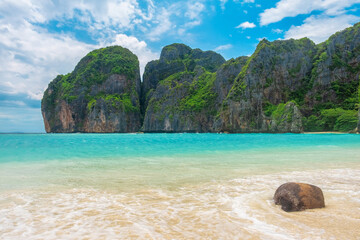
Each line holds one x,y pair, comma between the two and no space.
358,126
334,83
285,86
198,100
102,94
270,77
299,196
176,58
179,94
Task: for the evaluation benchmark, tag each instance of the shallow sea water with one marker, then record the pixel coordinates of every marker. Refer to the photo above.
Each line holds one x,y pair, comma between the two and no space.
175,186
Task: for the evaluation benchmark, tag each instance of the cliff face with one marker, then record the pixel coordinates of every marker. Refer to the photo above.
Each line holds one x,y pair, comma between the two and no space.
335,75
358,126
272,75
176,58
201,101
285,86
100,95
331,102
181,95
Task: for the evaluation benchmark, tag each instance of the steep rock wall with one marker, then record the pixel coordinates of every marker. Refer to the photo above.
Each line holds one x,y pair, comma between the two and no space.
102,94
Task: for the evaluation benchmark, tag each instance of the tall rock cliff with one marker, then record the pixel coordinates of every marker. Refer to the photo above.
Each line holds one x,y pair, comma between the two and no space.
102,94
358,126
177,90
273,75
285,86
331,101
176,58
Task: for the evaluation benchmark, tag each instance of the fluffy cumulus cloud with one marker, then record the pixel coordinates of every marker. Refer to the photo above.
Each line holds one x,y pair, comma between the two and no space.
139,48
292,8
30,56
223,47
245,25
32,53
193,14
40,39
278,31
222,4
163,24
320,28
324,17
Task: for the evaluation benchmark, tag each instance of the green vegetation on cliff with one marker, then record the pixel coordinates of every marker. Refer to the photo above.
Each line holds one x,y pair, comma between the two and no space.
336,119
105,82
99,64
196,95
177,58
187,89
117,101
96,67
201,93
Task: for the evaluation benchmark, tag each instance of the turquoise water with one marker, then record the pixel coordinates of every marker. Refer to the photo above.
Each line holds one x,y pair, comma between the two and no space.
45,147
103,160
165,186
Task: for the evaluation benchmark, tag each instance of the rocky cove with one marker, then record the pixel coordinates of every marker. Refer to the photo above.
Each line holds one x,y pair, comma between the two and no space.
284,86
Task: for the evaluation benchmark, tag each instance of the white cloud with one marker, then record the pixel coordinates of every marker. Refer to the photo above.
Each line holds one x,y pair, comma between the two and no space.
292,8
163,25
260,39
189,13
16,103
30,58
194,10
244,1
277,31
27,66
108,13
223,47
245,25
21,119
222,4
139,48
320,28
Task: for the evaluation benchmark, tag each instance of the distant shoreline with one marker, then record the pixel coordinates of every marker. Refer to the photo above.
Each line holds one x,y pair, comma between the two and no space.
330,132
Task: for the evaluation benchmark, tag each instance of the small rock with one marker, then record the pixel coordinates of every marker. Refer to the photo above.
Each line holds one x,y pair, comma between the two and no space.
299,196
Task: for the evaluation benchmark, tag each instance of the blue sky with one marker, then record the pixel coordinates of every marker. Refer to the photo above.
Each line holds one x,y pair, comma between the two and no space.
40,39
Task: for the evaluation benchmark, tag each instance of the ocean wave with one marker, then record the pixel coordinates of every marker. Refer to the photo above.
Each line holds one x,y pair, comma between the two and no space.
240,208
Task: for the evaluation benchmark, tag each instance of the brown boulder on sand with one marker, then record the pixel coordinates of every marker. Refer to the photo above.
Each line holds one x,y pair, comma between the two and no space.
298,196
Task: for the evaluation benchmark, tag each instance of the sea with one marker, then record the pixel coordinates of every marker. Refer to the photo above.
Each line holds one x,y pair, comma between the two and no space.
175,186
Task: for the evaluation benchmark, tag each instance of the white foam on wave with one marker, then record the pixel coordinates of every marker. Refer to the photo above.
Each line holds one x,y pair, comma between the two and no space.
237,209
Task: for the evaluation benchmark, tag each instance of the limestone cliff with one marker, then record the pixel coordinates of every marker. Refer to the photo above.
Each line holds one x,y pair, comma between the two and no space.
284,86
102,94
176,58
182,102
331,100
358,126
271,76
202,101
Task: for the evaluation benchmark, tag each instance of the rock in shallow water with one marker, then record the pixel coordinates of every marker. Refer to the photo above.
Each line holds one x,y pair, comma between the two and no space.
299,196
